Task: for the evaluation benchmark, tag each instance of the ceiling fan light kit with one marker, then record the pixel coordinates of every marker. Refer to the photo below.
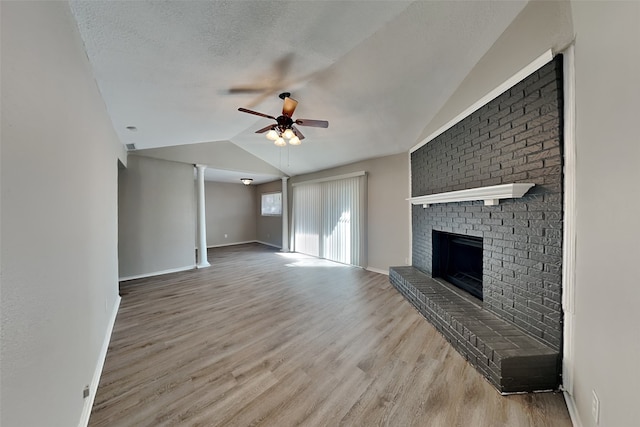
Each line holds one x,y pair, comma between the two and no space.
288,134
272,135
284,128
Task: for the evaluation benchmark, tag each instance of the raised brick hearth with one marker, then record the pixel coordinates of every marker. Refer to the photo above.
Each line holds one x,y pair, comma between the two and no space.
508,357
516,138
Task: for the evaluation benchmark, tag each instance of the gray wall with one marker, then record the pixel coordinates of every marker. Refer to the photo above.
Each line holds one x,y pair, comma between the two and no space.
607,341
157,217
269,228
541,25
59,218
231,210
388,209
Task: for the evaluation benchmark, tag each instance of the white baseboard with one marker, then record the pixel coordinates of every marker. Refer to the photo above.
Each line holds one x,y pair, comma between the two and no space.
268,244
244,243
573,410
157,273
377,270
232,244
95,380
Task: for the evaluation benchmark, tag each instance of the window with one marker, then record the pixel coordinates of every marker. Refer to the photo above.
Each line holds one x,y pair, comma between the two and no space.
272,204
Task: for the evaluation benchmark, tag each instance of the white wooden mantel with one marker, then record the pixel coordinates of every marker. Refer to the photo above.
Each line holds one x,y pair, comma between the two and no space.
490,195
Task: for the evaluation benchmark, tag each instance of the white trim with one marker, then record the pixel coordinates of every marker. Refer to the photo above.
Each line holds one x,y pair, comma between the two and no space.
232,244
244,243
331,178
95,380
491,195
569,220
510,82
573,409
268,244
285,215
201,216
378,270
157,273
410,259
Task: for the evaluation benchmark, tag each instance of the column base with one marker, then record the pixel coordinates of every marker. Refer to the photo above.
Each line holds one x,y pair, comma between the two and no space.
203,265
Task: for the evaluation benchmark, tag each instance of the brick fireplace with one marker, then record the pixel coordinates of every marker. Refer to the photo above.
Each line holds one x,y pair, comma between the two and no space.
514,334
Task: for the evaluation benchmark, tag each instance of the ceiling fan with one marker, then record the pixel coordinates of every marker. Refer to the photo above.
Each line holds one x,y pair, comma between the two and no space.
284,128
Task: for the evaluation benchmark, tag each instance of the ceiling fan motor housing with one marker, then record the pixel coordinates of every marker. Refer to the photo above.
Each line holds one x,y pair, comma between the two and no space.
284,122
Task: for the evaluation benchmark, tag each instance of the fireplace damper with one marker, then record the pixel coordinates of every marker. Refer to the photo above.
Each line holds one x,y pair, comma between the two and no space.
458,260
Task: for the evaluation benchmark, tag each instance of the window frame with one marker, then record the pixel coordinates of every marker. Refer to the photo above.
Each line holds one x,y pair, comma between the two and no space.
262,204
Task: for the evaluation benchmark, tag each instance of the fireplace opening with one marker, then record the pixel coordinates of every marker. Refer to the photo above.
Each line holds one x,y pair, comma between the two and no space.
458,260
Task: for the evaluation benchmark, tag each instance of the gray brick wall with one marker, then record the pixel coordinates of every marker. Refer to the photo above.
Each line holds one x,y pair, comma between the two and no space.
517,137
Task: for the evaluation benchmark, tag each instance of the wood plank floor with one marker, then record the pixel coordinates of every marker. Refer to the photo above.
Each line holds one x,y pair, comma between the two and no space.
272,339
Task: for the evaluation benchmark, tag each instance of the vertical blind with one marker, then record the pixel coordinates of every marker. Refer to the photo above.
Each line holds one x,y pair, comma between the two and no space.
329,219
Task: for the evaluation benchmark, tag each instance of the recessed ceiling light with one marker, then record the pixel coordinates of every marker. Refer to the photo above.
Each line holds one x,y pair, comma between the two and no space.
132,128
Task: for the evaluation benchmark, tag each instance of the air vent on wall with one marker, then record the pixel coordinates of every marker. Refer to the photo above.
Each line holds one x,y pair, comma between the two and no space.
130,146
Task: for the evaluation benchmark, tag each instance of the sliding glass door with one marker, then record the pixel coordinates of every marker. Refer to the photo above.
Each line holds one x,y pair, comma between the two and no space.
329,219
307,219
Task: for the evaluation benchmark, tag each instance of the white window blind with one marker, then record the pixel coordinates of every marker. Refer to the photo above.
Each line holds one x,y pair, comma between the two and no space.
329,219
307,219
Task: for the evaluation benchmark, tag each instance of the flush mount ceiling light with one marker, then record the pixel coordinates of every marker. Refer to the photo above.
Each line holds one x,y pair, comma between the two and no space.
246,181
284,130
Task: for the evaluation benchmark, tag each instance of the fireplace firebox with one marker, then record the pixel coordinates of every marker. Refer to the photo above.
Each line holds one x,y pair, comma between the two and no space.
458,260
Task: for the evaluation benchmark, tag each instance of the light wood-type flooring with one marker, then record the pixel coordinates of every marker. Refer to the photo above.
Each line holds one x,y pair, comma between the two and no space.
273,339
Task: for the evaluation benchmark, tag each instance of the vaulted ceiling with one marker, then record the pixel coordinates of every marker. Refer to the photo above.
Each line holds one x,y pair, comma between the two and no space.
378,71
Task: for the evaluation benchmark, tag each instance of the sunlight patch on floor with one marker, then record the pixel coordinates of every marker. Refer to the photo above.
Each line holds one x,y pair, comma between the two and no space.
302,260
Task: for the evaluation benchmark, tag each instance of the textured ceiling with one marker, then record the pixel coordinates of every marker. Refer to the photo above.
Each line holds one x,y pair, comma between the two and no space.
378,71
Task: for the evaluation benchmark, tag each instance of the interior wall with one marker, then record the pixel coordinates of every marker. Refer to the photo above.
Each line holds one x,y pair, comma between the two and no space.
59,258
231,213
542,25
388,209
607,343
157,212
268,228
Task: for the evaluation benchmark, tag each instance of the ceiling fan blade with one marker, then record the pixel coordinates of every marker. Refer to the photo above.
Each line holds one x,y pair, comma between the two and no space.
297,133
244,110
313,123
289,107
266,128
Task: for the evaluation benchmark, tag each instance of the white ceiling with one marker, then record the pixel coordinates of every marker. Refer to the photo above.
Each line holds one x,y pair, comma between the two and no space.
378,71
232,177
